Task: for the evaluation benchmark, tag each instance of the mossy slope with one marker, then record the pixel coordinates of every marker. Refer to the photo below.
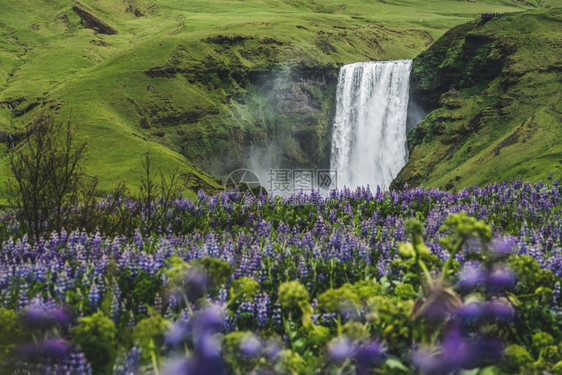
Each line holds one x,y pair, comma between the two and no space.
494,91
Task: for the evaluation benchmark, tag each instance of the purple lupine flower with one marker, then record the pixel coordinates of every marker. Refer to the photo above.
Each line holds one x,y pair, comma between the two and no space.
206,358
262,307
41,316
55,348
501,309
176,335
250,346
500,278
502,247
272,348
457,351
94,296
48,348
472,276
430,362
36,317
368,356
208,320
131,365
195,284
340,349
176,366
472,311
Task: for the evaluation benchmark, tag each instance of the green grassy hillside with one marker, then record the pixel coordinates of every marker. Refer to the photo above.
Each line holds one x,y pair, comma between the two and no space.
200,82
495,88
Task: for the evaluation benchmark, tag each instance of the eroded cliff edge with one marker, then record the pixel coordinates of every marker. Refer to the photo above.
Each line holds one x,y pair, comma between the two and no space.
492,88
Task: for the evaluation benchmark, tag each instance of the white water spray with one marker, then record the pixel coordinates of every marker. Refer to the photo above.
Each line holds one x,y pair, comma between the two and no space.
369,133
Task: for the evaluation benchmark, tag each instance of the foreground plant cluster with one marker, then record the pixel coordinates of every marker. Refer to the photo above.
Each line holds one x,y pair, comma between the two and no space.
352,283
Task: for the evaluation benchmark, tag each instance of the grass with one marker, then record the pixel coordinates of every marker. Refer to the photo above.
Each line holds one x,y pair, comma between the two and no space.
498,127
50,62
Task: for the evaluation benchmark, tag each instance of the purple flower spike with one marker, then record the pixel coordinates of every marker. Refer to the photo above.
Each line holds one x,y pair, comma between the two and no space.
36,317
272,349
502,310
472,277
177,334
472,311
176,366
250,346
55,348
340,349
209,347
60,315
30,351
501,279
208,320
502,247
196,283
368,356
456,350
486,350
429,362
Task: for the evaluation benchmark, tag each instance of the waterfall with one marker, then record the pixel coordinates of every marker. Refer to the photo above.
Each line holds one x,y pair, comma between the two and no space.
369,133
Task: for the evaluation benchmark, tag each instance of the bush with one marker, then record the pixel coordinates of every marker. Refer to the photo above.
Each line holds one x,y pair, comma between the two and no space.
96,336
48,178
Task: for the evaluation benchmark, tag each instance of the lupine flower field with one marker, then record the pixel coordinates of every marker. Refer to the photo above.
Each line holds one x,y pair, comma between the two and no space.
355,282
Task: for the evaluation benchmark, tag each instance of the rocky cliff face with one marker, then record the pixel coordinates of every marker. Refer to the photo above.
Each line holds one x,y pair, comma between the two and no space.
270,115
492,90
301,104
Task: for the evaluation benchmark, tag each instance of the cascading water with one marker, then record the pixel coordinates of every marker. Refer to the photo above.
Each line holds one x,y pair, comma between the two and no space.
369,132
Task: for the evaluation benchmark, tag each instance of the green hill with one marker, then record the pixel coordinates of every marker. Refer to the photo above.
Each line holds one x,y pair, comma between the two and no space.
495,90
202,84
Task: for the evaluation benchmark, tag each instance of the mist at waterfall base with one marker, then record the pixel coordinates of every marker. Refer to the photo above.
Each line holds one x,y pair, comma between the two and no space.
374,112
369,136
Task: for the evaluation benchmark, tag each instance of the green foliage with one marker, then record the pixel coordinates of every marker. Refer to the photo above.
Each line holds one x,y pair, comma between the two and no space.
243,289
356,331
141,287
530,276
96,336
233,354
210,52
483,124
318,336
11,334
218,270
366,288
339,301
381,309
48,179
464,228
293,294
149,333
405,291
177,269
461,229
517,358
291,363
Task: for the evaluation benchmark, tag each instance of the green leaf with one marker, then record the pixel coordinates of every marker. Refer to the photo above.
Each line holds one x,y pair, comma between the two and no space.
299,344
393,363
406,250
513,299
